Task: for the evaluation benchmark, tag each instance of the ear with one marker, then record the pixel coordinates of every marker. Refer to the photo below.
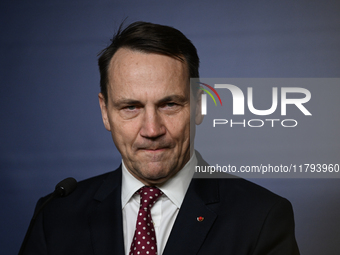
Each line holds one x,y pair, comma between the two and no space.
103,109
198,114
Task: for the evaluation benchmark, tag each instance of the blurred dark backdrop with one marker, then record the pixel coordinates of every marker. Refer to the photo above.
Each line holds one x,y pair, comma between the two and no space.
50,120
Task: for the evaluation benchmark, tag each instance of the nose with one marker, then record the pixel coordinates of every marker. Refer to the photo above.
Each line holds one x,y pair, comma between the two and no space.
152,126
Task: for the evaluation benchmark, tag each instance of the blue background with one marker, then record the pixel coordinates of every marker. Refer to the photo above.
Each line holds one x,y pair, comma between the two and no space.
50,120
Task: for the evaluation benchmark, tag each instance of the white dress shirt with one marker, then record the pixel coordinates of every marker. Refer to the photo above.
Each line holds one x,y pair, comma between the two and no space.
163,212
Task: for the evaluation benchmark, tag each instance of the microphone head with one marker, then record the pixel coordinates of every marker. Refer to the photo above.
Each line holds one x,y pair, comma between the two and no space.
65,187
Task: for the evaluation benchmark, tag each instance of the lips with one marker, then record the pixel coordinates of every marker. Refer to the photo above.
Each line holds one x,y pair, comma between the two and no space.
153,149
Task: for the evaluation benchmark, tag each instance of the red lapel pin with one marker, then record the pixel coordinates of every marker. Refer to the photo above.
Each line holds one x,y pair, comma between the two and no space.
200,219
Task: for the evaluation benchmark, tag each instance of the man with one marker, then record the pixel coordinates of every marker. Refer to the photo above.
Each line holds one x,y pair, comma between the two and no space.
145,104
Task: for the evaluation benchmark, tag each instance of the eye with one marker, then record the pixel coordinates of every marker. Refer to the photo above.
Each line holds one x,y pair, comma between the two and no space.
170,104
130,107
171,107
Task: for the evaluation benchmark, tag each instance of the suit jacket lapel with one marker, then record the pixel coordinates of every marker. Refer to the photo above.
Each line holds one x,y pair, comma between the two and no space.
106,224
188,233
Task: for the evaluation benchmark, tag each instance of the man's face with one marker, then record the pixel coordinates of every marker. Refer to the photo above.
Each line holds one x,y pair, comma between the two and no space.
148,113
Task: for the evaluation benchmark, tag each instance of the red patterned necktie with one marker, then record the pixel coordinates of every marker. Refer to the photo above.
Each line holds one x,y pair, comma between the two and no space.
144,240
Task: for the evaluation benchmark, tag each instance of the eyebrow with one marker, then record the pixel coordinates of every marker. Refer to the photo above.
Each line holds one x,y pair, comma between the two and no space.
175,98
127,101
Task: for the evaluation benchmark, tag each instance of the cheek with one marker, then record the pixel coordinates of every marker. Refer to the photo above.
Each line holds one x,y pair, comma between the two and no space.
124,134
179,128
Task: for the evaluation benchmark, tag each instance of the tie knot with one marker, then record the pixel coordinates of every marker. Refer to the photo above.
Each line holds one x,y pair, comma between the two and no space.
149,196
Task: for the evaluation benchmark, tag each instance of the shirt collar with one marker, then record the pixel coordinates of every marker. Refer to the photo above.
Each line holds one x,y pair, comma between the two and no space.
174,189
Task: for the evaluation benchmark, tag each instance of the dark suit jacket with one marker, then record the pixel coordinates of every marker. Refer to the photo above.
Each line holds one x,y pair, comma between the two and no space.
239,218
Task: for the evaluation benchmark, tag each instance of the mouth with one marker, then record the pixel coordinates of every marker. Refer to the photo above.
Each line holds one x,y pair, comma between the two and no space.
153,149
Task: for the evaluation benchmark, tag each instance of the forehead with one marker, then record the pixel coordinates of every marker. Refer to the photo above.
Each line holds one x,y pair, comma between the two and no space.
131,70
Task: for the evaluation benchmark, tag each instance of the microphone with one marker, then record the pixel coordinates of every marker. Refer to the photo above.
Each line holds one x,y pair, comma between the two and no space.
62,189
65,187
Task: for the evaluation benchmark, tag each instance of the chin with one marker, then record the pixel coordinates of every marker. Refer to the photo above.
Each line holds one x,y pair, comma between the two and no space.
156,175
156,172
